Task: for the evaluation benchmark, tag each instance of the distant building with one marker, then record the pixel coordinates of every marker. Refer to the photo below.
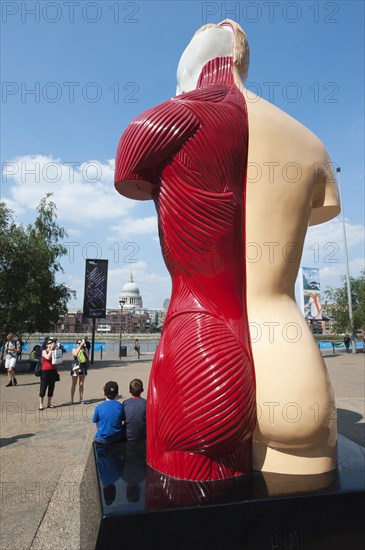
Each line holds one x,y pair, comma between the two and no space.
74,322
131,296
166,304
135,318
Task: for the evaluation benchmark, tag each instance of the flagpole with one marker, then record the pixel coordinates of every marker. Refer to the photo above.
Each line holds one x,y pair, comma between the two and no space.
353,340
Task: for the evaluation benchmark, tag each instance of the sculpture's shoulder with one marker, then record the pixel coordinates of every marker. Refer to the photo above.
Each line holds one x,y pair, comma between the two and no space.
165,113
212,93
276,122
276,137
147,145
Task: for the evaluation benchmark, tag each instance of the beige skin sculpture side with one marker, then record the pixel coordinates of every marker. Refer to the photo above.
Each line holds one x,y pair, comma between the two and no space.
290,185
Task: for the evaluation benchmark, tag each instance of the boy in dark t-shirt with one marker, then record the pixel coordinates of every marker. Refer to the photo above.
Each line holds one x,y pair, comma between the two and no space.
109,416
135,412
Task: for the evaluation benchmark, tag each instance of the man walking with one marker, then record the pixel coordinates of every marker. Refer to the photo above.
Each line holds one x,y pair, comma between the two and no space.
347,341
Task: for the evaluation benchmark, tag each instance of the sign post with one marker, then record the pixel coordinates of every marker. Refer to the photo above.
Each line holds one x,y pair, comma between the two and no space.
96,278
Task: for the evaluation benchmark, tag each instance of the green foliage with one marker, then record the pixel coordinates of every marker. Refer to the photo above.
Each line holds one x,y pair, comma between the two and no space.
328,337
338,305
30,298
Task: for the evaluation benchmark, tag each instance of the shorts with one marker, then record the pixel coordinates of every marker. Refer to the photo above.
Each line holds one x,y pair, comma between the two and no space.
82,371
10,362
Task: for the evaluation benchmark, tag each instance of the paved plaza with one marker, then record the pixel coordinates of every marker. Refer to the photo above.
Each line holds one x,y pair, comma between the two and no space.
44,452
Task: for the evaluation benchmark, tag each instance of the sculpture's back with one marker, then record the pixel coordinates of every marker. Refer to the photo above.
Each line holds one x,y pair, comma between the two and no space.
201,400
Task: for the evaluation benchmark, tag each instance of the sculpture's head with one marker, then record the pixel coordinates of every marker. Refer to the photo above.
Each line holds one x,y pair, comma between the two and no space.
224,39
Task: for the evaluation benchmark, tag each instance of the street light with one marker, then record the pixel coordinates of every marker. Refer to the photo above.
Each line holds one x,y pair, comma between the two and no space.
121,303
338,170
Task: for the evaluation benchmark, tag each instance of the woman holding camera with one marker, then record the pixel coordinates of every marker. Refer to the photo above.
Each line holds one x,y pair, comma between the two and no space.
48,375
79,369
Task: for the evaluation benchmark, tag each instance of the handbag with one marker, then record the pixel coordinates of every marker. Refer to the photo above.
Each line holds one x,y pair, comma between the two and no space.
57,357
57,376
75,367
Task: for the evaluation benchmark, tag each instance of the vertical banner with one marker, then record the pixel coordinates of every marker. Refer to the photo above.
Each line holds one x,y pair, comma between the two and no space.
311,293
96,277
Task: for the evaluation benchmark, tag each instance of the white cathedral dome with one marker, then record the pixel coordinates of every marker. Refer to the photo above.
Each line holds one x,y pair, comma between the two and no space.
130,295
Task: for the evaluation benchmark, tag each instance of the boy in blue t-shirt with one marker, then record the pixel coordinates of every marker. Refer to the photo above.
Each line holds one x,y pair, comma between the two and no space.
109,416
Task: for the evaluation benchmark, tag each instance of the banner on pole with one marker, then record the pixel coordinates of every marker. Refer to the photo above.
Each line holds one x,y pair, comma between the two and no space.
311,293
96,277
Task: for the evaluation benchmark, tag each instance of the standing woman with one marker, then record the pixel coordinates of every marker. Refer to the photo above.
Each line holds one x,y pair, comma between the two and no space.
48,375
79,369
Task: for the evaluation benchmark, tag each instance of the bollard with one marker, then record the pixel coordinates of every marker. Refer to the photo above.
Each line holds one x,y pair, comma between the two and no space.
101,352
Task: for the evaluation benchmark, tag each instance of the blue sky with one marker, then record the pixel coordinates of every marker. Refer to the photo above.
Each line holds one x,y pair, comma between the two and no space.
74,74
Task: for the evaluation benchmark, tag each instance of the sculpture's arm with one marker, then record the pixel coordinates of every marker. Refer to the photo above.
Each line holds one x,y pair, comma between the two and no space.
148,144
325,201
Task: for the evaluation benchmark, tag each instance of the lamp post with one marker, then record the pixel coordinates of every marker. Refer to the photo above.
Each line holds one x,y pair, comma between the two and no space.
121,303
349,299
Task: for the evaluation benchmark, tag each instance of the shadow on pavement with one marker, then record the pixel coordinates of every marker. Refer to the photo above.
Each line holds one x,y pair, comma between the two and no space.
30,383
4,441
78,404
116,363
349,424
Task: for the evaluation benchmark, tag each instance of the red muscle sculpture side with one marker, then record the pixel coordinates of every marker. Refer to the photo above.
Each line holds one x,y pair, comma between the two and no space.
187,155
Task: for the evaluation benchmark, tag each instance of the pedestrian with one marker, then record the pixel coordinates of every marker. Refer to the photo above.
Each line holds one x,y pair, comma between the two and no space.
135,412
49,375
137,348
347,341
44,343
34,358
88,345
79,369
21,345
11,350
109,416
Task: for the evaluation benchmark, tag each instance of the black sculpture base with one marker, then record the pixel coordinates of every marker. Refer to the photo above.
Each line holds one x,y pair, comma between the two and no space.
145,509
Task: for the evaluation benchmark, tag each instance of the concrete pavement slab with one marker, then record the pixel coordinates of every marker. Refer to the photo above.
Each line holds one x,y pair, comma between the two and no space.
44,453
38,446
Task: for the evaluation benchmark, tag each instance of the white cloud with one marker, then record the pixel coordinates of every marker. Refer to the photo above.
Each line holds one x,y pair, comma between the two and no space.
331,275
83,192
137,226
13,205
324,244
356,265
332,232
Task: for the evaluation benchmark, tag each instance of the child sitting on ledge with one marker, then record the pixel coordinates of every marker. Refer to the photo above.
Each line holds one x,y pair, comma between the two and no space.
135,412
109,417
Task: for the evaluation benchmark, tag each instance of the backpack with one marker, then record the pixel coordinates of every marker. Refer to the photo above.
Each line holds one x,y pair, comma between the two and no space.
19,344
12,351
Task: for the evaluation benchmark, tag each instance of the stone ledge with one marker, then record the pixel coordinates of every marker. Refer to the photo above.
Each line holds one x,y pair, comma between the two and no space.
76,491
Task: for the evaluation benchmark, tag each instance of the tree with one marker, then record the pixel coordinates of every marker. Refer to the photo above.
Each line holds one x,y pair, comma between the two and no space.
338,308
30,298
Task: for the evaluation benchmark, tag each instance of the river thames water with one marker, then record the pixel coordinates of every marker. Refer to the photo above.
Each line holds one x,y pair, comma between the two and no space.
107,346
149,345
